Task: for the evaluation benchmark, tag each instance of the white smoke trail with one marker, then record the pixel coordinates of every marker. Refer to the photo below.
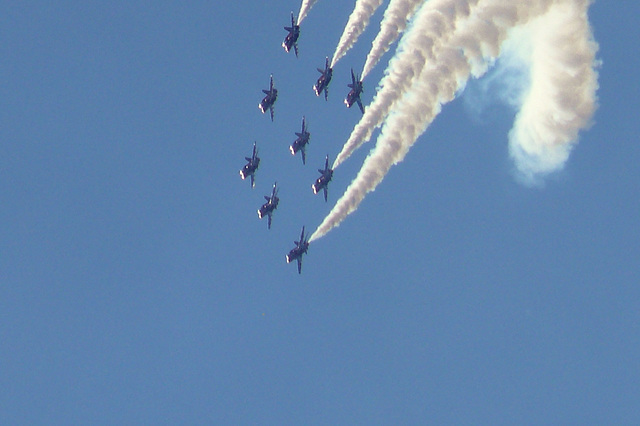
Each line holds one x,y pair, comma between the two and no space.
479,41
437,85
562,96
305,7
434,24
358,21
393,23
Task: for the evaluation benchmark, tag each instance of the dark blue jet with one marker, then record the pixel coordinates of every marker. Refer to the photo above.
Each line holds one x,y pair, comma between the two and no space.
324,179
301,142
250,168
301,248
291,40
272,203
270,98
324,80
354,95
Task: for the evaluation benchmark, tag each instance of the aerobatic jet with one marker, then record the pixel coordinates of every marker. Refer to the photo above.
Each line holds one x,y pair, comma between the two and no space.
301,248
354,94
301,142
270,98
272,203
324,179
291,40
250,168
324,80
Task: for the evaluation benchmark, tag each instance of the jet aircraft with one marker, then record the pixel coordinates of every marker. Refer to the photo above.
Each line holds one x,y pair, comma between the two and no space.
324,80
271,204
301,142
324,179
270,98
291,40
354,94
250,168
301,248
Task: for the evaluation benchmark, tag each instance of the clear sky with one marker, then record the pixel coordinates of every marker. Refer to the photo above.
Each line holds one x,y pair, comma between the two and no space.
139,286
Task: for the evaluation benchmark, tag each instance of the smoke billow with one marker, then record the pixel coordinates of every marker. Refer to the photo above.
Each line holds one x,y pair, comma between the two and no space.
560,101
562,95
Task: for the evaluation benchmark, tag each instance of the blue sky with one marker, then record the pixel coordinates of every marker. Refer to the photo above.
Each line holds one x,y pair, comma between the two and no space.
139,286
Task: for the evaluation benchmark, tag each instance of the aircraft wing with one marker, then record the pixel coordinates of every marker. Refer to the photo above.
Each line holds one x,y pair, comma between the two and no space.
253,183
271,110
299,265
302,151
269,221
360,104
295,48
325,193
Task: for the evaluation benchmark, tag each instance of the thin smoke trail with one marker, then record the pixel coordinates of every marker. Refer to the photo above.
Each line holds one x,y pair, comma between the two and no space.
394,22
434,24
305,7
470,51
358,21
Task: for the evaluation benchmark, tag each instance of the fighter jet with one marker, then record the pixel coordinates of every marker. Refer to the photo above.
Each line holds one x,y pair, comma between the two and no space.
301,248
292,38
268,101
271,204
301,143
324,80
250,168
324,179
354,94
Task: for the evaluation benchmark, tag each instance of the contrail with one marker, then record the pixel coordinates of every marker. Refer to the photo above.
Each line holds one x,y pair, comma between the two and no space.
394,22
470,51
358,21
410,119
562,96
434,24
305,7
